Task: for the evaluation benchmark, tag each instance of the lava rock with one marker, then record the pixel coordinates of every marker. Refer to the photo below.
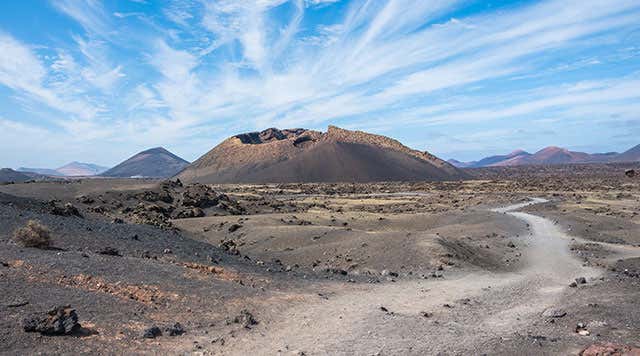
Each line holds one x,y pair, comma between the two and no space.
61,320
198,195
230,247
67,210
110,251
246,319
188,213
174,330
337,271
152,332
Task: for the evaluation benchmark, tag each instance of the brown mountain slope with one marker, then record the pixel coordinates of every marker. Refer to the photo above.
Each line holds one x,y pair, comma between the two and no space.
156,162
299,155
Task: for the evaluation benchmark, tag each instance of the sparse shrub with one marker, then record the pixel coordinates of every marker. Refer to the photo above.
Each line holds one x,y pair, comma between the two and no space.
34,234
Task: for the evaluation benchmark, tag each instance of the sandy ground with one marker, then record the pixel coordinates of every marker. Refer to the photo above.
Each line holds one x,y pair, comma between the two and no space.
476,267
464,311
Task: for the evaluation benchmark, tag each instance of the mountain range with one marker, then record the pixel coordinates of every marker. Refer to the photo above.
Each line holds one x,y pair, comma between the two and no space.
301,155
549,156
73,169
153,163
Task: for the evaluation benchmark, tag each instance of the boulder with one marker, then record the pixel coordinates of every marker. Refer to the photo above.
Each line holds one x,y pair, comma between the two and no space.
199,195
66,210
174,330
61,320
246,319
152,332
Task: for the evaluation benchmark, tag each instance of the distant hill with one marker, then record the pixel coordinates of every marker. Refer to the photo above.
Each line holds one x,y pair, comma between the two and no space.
552,155
492,160
9,175
43,171
73,169
456,163
156,163
630,155
81,169
301,155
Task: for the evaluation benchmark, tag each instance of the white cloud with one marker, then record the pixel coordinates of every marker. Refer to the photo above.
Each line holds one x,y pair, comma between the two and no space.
22,70
88,13
245,64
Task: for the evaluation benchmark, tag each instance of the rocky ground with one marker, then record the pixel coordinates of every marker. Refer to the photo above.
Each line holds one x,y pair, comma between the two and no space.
143,266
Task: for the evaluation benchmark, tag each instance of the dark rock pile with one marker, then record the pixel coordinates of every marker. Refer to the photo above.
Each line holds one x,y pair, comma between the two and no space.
245,318
66,210
158,205
174,329
61,320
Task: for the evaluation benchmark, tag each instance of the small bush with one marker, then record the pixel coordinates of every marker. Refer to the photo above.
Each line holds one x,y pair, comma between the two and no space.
34,234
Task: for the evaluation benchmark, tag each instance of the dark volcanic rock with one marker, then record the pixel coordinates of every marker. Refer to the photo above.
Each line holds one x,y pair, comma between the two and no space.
188,213
168,200
67,210
630,173
152,332
61,320
581,280
109,251
246,319
154,196
151,215
202,196
230,247
199,195
174,330
337,271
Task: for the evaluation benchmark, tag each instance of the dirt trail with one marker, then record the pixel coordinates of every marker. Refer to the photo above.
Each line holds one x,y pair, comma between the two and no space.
466,310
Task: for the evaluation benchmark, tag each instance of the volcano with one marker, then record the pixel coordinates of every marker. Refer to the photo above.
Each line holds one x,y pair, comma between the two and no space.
301,155
156,163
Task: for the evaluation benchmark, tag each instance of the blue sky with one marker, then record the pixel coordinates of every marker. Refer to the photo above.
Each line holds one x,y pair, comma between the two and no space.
98,81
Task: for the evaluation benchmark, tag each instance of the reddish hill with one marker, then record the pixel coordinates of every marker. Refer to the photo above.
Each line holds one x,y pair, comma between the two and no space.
547,155
300,155
552,155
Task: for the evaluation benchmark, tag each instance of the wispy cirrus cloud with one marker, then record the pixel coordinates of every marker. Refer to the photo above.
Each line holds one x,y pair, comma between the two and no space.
22,71
193,66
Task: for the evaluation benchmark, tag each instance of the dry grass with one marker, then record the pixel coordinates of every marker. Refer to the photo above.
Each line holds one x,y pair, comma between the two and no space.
34,234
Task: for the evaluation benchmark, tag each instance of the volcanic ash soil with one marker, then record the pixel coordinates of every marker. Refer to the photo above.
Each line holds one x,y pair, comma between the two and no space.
146,266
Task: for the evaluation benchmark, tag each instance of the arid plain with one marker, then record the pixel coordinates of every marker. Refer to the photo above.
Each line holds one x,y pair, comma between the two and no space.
524,260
